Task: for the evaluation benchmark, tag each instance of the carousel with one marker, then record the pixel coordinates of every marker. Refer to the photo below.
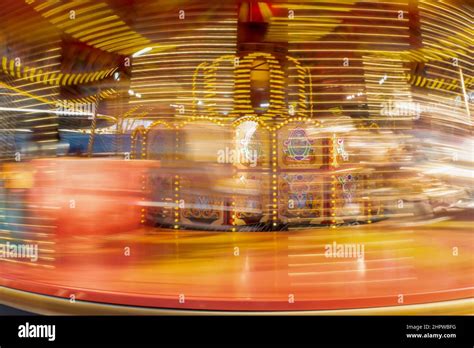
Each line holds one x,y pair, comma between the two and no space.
264,160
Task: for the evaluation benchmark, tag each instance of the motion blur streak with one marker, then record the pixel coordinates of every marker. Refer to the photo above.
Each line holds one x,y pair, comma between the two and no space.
202,266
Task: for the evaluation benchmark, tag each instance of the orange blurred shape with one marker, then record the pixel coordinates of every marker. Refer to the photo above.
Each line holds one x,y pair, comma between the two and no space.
90,196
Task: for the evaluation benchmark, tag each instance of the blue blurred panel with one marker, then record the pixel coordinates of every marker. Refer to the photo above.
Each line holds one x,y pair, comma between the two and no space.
104,143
